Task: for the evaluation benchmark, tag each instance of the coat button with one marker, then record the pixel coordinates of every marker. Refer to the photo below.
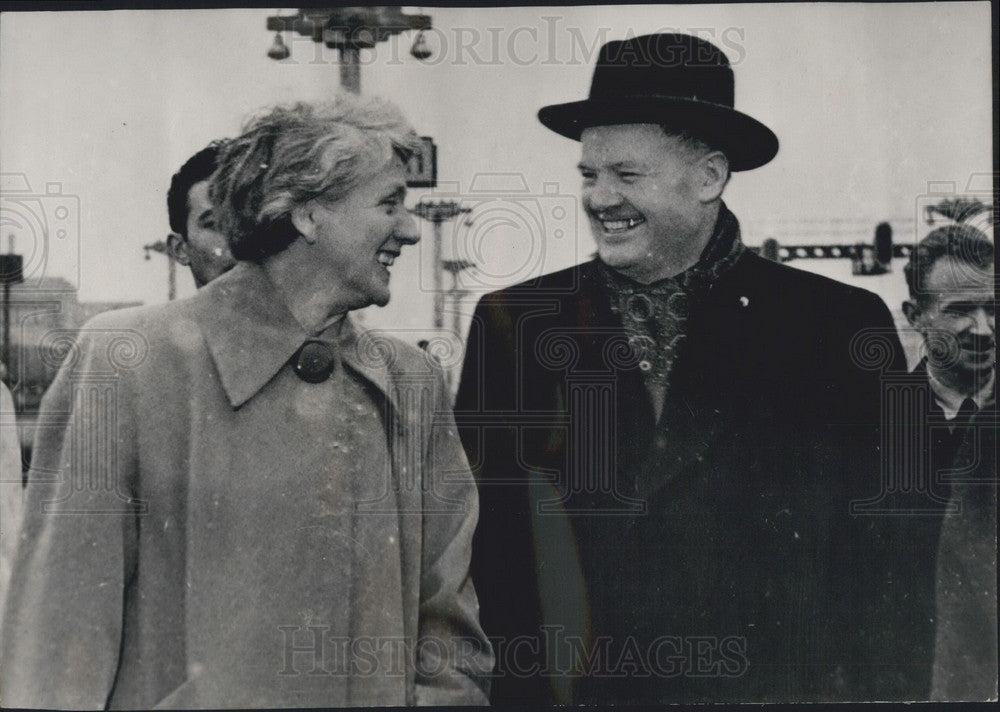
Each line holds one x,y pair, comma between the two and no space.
314,361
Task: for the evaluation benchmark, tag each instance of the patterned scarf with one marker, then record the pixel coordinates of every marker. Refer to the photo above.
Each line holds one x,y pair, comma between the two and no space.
655,315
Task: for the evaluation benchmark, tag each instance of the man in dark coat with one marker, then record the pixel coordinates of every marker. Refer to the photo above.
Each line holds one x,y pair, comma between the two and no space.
669,438
953,503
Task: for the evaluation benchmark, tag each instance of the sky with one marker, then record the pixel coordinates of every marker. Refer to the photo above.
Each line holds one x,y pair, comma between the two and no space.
879,108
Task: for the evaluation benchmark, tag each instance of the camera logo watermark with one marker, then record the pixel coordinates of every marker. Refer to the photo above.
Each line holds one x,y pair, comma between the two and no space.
511,231
41,223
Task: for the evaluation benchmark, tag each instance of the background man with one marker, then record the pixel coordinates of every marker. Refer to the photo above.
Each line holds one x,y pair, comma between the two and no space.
255,512
195,241
953,305
668,438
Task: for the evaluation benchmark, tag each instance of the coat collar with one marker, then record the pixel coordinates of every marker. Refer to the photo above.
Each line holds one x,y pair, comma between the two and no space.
251,334
950,401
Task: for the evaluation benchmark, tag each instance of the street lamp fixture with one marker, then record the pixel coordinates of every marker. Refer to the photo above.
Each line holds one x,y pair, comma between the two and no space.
420,49
279,50
161,247
349,29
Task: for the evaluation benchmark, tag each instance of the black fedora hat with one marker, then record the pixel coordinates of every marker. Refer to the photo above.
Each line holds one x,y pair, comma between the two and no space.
681,81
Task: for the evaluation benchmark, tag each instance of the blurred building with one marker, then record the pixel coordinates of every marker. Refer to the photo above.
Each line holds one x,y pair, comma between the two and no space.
44,318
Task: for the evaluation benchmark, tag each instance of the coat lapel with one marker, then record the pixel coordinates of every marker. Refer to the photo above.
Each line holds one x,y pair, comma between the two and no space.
694,417
647,455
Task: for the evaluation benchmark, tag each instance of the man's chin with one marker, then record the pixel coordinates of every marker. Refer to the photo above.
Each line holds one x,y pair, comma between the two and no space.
979,364
616,256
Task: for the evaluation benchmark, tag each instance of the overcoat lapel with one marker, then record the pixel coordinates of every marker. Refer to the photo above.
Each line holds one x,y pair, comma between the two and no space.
646,455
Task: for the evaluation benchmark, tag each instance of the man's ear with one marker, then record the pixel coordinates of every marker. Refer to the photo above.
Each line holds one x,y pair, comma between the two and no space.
305,222
714,176
177,248
912,312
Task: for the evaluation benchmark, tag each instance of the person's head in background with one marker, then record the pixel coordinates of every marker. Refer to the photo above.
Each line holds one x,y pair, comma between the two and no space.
952,305
194,241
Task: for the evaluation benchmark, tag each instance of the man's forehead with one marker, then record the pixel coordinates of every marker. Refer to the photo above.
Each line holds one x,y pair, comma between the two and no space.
198,195
951,278
640,143
621,133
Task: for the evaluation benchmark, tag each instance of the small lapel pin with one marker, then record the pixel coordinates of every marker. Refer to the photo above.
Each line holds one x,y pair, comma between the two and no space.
744,301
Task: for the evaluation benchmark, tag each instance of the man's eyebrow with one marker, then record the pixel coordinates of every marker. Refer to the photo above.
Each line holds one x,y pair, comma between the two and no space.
968,304
620,165
398,191
631,165
205,215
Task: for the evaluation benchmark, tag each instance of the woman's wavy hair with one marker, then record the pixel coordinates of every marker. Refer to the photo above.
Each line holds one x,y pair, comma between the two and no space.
292,154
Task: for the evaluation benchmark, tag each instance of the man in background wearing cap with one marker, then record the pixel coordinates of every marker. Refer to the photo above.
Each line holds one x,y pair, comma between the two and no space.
668,438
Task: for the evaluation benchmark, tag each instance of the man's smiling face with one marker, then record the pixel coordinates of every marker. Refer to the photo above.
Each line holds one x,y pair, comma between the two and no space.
957,317
641,194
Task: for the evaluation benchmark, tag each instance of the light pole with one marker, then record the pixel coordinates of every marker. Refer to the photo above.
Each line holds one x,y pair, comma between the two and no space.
349,29
438,212
11,272
161,247
454,268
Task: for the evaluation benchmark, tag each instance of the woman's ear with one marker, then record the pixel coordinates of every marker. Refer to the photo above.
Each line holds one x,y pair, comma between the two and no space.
304,221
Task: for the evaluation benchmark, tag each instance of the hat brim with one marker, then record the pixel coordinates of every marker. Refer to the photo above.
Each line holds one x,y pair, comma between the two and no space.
746,142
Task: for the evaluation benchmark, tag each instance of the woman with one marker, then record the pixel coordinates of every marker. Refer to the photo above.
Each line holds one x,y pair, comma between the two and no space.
292,514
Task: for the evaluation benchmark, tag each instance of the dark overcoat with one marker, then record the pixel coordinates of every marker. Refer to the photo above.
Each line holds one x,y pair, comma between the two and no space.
965,610
710,555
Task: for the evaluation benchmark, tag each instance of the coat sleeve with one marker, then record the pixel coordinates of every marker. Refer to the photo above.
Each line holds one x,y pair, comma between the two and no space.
454,659
504,556
11,491
63,620
892,570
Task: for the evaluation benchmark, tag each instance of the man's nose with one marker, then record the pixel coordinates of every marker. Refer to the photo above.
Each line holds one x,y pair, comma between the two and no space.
600,197
983,322
407,231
